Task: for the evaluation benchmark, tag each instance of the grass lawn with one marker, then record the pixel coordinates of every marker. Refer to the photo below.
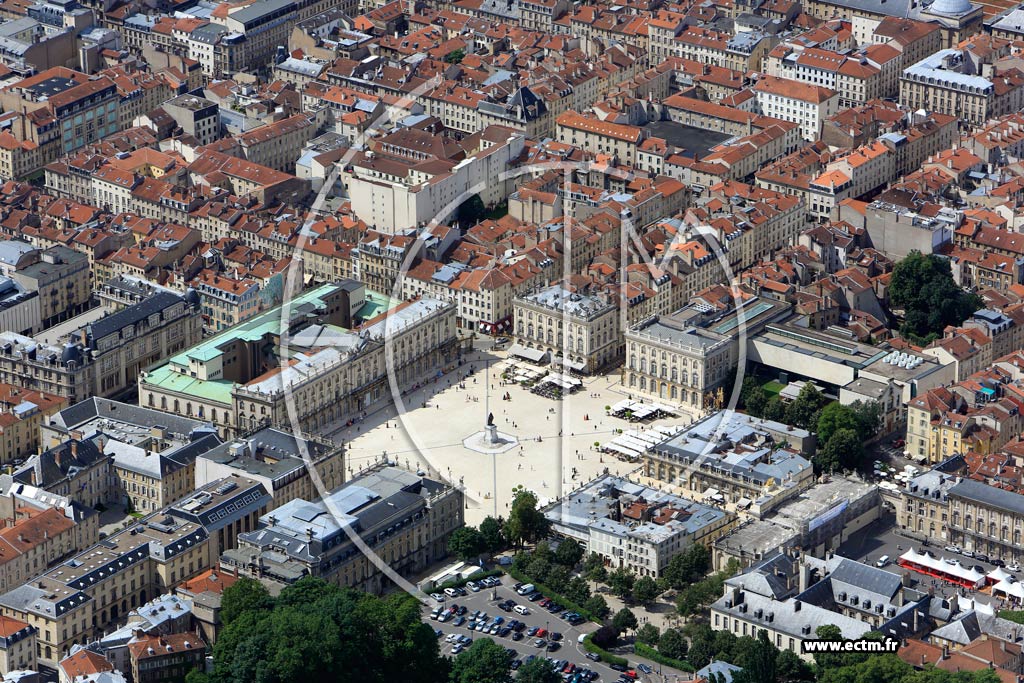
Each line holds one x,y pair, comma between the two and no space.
1015,616
773,387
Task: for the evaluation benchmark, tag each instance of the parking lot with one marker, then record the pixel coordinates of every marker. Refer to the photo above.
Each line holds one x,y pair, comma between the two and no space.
571,650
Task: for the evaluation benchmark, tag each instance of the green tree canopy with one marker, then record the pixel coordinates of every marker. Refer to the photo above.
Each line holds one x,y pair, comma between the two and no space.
244,595
525,524
833,417
774,410
869,417
845,450
923,287
483,662
624,620
569,553
318,631
645,589
594,569
673,644
648,634
577,590
758,662
605,637
621,581
597,606
466,543
493,538
803,410
538,670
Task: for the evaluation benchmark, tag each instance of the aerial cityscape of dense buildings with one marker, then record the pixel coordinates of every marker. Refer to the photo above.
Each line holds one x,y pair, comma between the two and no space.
690,335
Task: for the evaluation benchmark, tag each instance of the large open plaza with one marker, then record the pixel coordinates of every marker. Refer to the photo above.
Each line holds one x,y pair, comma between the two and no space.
554,439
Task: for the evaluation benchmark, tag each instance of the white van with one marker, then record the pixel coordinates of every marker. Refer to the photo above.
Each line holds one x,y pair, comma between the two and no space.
451,592
528,588
882,561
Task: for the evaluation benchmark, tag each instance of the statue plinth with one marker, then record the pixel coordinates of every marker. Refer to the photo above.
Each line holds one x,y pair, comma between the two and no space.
491,434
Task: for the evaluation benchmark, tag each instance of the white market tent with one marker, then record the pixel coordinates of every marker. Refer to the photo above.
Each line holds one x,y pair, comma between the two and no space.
936,567
1012,590
997,575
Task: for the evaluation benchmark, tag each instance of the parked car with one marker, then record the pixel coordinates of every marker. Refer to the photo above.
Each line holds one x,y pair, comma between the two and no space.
457,649
996,562
516,635
593,656
516,663
1013,567
953,549
472,585
967,553
540,642
617,667
645,669
521,609
437,597
459,622
553,646
982,557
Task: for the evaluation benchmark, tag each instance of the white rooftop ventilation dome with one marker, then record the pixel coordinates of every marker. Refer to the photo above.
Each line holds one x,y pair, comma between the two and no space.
950,7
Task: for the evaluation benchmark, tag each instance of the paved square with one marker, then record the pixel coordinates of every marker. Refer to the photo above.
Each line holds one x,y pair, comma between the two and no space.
555,453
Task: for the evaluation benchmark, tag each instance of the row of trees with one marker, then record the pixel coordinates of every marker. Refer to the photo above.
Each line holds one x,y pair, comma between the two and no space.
525,524
698,644
555,568
695,597
684,569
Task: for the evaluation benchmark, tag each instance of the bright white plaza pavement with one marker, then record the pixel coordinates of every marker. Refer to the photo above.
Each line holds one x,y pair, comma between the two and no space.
554,438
